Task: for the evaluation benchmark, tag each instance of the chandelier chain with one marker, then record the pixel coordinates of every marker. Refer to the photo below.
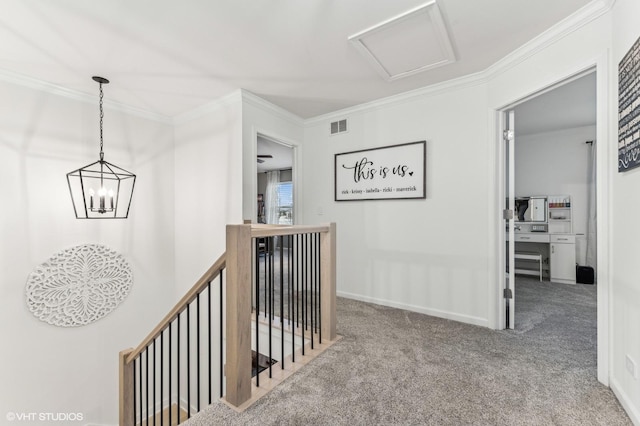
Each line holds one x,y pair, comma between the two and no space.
101,118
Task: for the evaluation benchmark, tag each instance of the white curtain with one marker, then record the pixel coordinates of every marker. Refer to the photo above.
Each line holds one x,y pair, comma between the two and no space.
591,208
271,197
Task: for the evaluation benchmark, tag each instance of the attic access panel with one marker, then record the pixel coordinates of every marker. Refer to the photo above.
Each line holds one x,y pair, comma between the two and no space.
410,43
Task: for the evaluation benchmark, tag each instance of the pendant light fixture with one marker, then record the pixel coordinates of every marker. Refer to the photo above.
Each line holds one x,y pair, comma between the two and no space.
101,190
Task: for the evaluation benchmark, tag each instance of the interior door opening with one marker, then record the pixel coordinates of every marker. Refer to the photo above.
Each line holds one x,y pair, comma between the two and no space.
550,220
275,182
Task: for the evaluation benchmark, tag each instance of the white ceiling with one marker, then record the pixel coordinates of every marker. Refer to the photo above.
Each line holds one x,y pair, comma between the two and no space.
568,106
168,57
282,155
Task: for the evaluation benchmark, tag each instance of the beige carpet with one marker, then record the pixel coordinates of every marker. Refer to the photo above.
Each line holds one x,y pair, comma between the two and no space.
395,367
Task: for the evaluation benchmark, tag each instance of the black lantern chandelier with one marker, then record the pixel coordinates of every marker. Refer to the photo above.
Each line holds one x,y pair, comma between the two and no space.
101,190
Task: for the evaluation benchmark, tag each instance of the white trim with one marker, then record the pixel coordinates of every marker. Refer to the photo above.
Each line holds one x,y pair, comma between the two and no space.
295,167
605,130
208,108
495,152
444,41
582,17
603,206
467,319
625,401
573,22
432,90
257,101
54,89
581,72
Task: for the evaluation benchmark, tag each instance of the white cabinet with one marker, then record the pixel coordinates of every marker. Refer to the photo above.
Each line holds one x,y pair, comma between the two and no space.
562,258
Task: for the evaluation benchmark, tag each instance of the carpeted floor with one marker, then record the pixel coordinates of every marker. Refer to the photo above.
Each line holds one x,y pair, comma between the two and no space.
395,367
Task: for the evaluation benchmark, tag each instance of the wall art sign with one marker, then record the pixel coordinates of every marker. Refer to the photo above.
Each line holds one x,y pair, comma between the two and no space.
389,172
629,109
78,286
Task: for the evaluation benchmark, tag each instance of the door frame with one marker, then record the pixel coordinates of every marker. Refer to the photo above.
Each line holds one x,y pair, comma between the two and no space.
294,170
604,169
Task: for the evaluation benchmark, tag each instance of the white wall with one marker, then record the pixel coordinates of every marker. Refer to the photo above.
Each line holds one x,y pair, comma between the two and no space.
625,300
46,368
556,163
424,255
603,42
208,179
262,117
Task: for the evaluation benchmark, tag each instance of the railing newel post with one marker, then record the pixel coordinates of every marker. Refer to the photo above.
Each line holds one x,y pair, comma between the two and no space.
126,401
328,282
238,314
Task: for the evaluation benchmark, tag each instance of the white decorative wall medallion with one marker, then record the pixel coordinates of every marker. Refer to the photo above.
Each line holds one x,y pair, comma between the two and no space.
79,285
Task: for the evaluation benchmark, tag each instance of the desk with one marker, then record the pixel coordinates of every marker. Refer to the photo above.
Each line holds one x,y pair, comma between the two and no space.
560,249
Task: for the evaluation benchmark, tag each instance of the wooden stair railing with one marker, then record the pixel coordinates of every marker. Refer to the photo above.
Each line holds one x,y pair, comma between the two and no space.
128,356
242,249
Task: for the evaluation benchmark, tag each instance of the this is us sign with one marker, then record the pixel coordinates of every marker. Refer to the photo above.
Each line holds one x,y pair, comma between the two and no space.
389,172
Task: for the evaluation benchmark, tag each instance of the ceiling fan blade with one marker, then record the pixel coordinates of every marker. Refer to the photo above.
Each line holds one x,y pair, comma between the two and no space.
260,161
265,156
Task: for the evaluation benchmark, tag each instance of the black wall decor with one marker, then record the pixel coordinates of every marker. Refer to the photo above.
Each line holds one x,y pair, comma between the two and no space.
629,109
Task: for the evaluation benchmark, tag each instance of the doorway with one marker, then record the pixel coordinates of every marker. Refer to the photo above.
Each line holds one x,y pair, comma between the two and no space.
275,182
547,128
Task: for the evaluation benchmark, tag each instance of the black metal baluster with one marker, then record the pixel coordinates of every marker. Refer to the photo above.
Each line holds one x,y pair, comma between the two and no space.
170,368
319,293
161,376
270,302
315,281
221,337
154,382
311,272
209,335
282,301
188,362
299,286
134,393
140,358
257,311
266,269
303,284
272,280
178,365
289,254
298,280
198,353
291,300
146,379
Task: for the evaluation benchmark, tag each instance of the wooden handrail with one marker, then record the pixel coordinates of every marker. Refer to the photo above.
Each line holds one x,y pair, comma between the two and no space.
261,230
208,276
257,231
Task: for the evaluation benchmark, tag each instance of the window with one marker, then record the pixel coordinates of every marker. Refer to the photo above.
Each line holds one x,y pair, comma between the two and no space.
285,203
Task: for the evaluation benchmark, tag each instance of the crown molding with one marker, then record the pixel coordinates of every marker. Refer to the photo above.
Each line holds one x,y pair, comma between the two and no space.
213,106
43,86
261,103
469,80
583,16
570,24
575,21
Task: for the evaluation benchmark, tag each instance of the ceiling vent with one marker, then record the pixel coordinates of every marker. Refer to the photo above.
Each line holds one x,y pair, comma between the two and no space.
339,127
407,44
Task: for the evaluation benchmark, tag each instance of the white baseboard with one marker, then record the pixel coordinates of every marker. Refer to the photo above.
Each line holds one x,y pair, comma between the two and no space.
625,401
467,319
